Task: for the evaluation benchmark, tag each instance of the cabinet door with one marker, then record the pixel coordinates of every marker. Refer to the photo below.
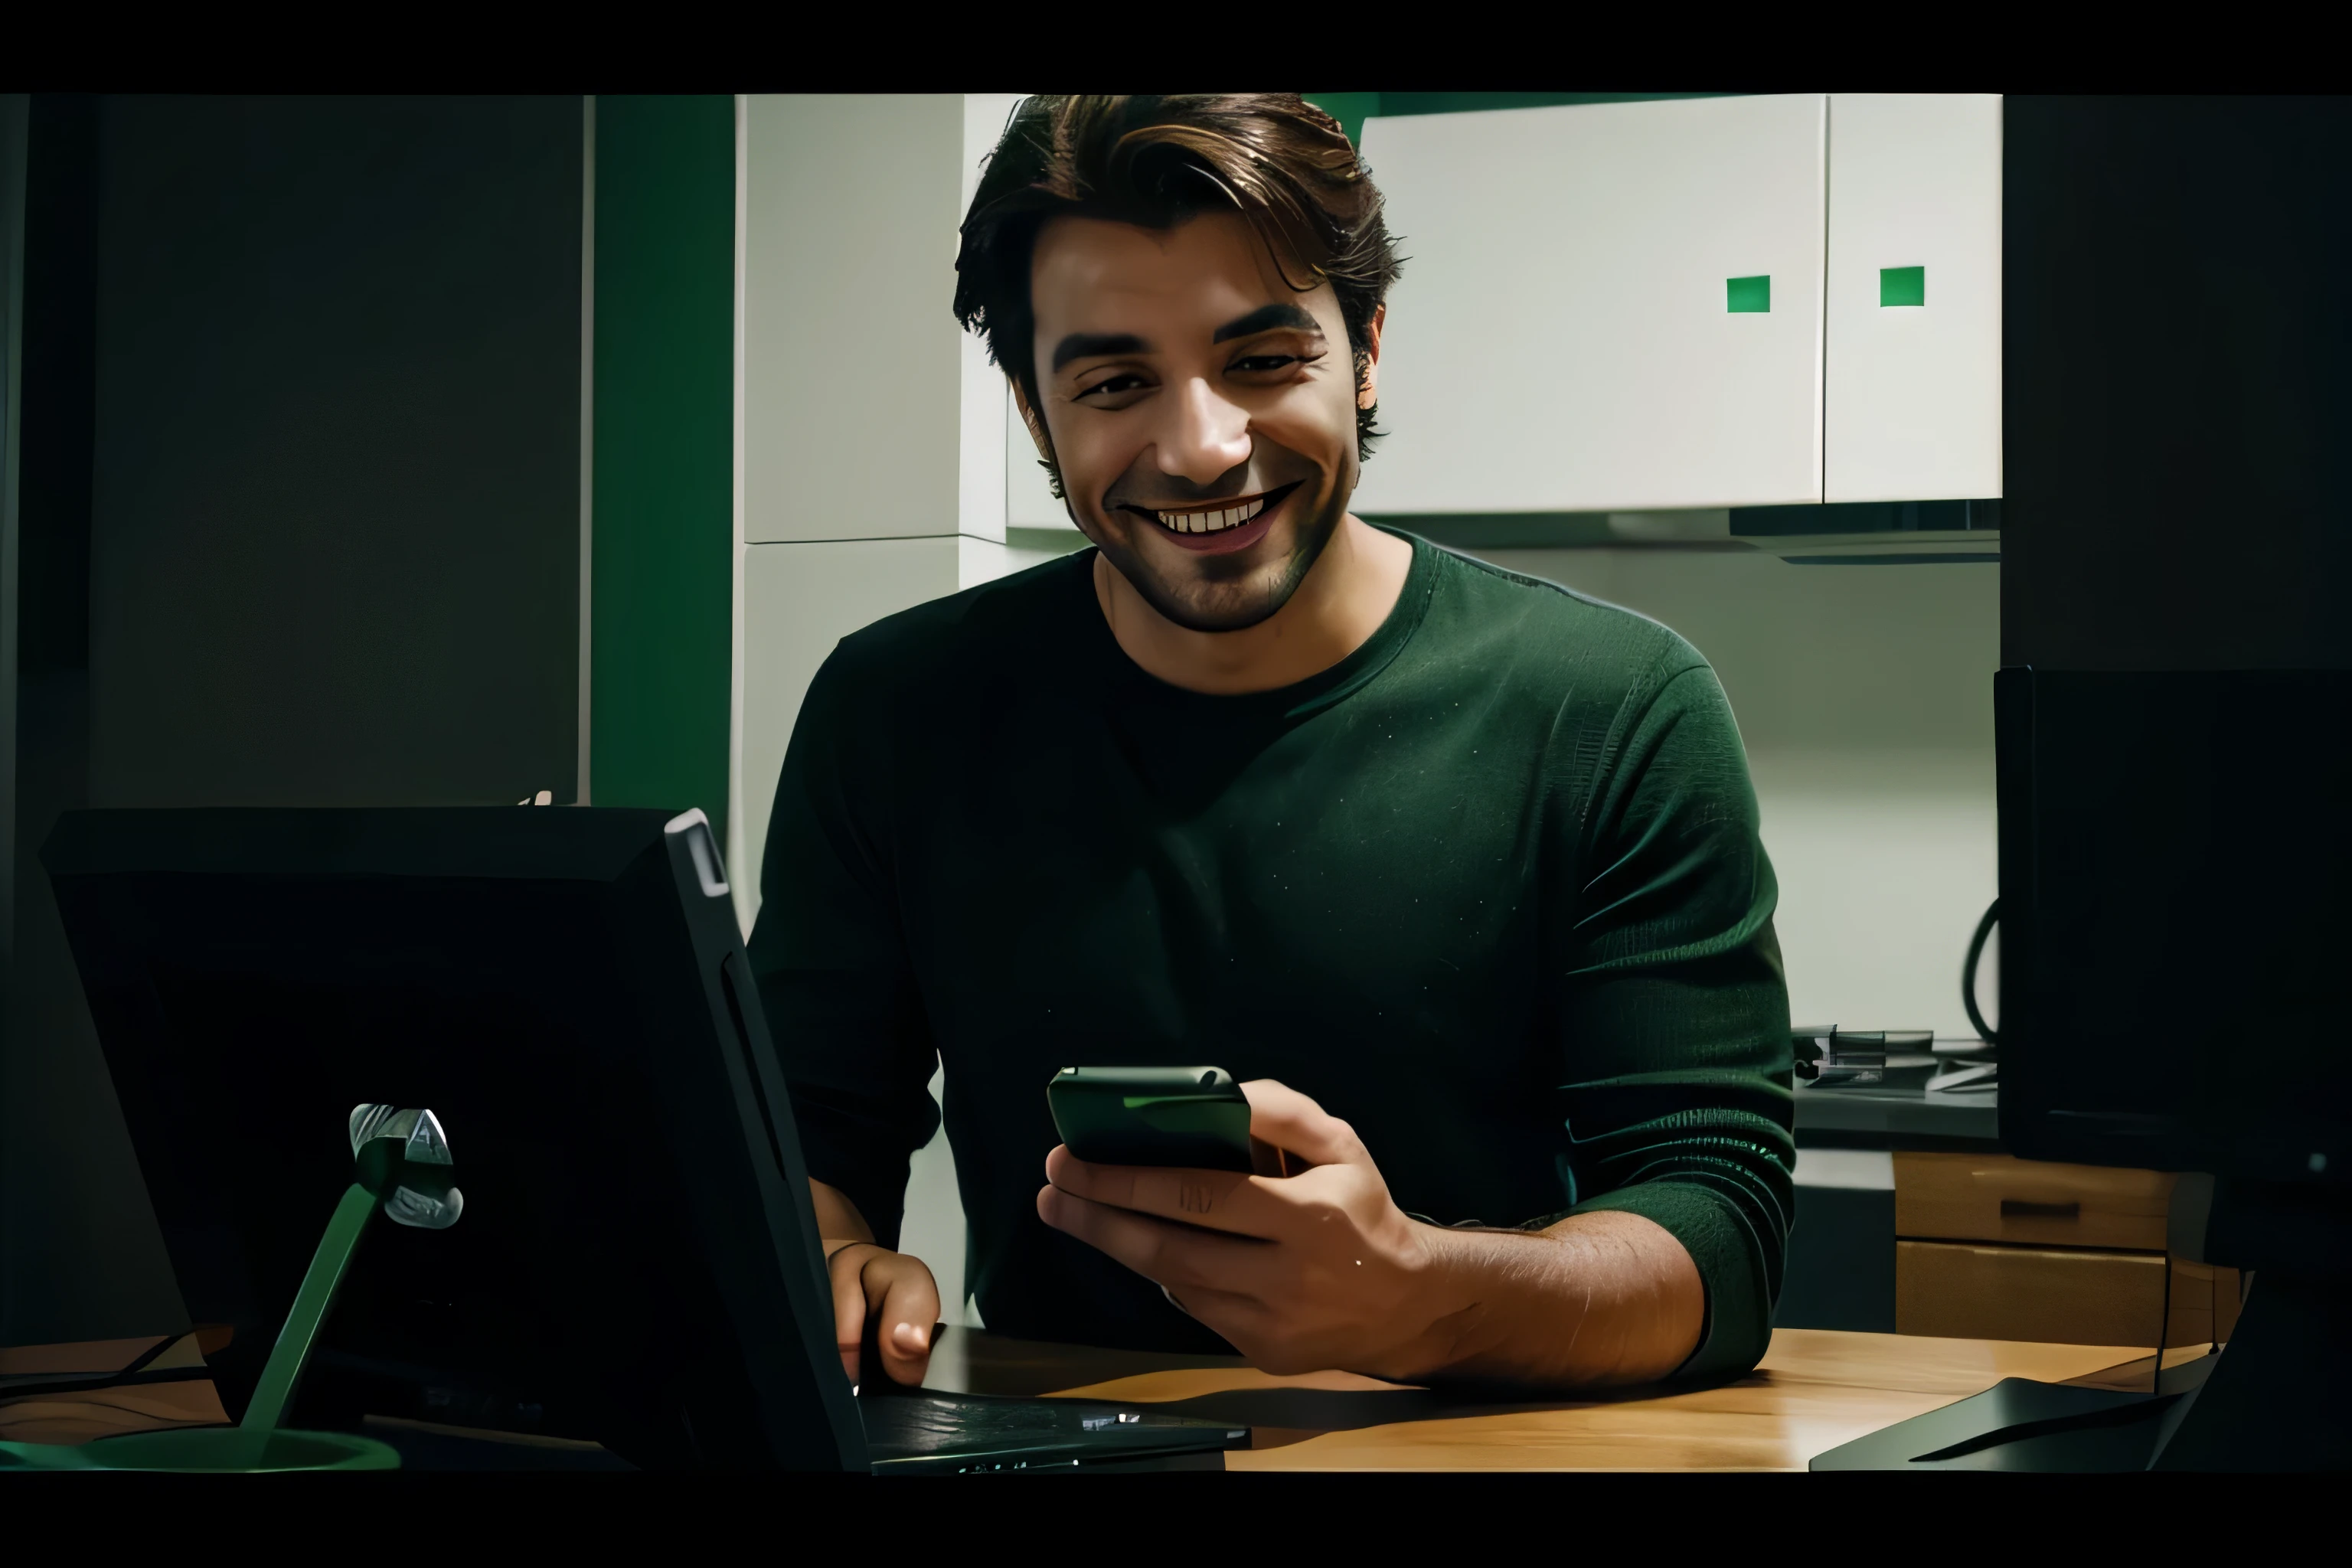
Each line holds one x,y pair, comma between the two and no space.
2060,1296
1999,1198
1914,335
1953,1290
1576,329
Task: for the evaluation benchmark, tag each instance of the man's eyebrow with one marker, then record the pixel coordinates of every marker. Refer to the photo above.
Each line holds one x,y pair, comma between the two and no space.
1087,345
1264,319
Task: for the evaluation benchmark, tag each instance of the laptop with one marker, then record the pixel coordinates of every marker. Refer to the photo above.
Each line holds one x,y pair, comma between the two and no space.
636,1262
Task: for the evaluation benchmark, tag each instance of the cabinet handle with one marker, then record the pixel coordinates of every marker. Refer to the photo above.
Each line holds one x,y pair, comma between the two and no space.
2018,1208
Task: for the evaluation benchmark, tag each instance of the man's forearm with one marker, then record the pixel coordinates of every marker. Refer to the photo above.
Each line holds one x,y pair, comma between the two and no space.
1597,1299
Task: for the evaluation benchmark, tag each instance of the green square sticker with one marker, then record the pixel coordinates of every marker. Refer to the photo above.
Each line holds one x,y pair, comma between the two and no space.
1745,295
1902,286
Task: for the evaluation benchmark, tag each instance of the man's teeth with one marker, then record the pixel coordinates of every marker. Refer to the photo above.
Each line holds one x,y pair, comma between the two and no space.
1212,521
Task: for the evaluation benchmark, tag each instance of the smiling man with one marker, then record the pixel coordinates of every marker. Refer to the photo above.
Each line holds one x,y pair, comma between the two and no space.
1458,868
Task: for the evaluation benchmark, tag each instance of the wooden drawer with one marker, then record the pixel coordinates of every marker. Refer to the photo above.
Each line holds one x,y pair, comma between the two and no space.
1959,1291
1997,1197
1955,1291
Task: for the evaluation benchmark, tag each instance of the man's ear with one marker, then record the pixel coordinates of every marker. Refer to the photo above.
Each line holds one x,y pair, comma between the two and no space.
1045,444
1368,383
1030,417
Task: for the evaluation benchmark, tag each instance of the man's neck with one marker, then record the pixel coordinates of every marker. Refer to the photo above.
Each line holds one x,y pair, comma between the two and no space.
1341,602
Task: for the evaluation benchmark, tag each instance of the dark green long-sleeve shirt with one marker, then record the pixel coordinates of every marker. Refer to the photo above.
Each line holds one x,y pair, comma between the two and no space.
1490,889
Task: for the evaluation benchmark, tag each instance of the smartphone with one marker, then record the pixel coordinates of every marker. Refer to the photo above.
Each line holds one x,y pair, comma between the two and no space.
1192,1117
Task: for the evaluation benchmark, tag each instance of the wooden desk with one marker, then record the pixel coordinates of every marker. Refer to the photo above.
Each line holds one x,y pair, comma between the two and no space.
70,1410
1816,1389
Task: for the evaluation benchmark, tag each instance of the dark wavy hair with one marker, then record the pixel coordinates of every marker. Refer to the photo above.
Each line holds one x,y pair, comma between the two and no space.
1156,160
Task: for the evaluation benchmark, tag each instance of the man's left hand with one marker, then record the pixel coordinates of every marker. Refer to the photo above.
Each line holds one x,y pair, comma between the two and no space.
1318,1269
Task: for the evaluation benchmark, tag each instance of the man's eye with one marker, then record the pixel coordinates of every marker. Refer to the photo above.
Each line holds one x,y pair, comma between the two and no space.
1126,381
1266,362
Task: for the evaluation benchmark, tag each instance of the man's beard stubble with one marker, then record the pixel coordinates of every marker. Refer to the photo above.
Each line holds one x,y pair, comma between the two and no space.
1219,598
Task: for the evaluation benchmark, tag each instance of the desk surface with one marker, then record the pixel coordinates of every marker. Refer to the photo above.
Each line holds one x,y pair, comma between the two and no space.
1816,1389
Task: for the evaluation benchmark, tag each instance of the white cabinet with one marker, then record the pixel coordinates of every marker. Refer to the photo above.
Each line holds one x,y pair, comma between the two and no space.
1567,335
1914,337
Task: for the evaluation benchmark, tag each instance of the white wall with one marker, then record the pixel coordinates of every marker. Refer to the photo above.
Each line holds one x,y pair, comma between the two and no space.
1865,696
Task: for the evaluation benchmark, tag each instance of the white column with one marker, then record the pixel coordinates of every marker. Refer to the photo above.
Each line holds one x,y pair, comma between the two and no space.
869,444
869,439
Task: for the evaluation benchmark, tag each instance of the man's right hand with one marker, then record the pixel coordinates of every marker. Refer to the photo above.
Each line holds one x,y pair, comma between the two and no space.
870,1283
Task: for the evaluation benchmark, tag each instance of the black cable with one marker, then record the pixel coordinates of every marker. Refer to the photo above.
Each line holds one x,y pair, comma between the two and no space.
1969,975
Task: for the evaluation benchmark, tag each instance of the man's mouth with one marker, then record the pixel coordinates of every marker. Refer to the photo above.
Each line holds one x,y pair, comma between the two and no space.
1235,519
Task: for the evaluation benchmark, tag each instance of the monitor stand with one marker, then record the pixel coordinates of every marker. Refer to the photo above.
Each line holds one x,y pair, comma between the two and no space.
2277,1398
2280,1396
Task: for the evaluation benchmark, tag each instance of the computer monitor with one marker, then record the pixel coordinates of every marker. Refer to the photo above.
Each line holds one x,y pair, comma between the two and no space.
2176,910
564,989
2176,871
2176,886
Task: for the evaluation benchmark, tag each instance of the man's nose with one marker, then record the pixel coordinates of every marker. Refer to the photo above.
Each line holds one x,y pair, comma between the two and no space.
1207,436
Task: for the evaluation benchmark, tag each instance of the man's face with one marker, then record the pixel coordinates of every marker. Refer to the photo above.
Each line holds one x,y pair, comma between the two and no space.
1203,411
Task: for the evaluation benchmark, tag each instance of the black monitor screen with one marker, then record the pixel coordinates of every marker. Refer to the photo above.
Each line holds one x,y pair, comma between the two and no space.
2175,878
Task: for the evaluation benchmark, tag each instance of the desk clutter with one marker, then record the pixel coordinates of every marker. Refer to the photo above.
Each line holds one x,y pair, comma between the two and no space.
1828,1057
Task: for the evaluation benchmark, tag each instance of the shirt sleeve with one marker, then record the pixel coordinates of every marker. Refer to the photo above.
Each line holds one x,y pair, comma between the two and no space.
829,955
1674,1008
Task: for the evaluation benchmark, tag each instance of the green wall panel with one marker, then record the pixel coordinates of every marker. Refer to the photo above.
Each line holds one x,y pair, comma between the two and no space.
661,606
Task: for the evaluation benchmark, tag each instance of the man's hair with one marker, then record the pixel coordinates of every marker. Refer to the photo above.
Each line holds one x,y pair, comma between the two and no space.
1156,160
